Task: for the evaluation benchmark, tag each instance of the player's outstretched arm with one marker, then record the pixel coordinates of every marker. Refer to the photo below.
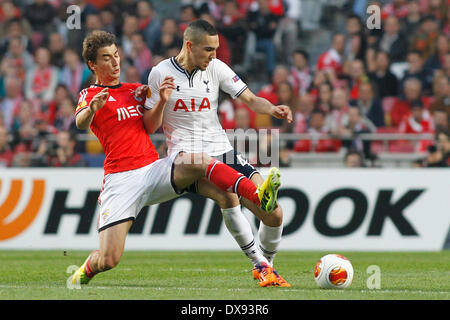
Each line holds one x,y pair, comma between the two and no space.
263,106
84,118
153,117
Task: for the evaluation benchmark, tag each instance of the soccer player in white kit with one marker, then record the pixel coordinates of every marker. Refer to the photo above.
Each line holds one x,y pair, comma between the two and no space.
190,123
134,174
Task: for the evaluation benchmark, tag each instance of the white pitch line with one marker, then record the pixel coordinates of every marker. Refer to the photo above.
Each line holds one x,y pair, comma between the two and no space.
375,291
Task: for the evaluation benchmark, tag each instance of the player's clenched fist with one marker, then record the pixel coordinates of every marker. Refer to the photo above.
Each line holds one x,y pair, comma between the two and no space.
99,100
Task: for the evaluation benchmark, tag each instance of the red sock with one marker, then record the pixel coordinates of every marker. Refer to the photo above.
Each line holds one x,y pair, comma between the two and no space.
228,179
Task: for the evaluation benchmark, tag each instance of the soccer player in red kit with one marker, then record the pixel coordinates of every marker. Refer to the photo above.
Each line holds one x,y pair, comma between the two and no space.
134,176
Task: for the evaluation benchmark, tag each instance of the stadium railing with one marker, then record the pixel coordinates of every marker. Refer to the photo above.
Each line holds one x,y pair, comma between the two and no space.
386,156
384,138
383,142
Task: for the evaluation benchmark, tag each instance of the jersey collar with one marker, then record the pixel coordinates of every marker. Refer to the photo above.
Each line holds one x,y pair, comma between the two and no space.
181,69
110,87
190,76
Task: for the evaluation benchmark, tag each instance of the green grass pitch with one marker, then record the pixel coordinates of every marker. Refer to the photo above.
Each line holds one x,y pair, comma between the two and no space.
224,275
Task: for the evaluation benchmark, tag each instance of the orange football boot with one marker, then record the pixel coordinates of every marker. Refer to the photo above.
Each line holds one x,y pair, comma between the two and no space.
267,277
280,282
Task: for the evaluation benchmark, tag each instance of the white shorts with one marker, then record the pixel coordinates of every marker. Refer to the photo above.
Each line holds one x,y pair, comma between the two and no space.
124,194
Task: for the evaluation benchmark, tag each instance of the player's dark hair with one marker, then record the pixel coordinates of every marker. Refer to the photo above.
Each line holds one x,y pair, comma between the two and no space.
94,41
197,28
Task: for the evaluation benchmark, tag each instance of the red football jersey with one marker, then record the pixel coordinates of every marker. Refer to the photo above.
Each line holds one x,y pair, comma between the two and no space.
119,127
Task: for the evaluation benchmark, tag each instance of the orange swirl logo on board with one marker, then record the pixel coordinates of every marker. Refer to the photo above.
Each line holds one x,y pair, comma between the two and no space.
26,217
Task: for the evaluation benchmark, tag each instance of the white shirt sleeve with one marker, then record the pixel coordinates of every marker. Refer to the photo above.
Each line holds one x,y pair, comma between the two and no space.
229,81
154,81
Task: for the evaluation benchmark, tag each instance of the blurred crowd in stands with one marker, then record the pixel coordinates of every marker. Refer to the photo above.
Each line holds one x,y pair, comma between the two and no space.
390,80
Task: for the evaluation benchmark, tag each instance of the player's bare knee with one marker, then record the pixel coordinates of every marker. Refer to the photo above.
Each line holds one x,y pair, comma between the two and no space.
275,219
227,200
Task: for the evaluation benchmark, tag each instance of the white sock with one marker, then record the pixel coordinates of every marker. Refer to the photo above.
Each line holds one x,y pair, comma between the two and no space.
239,227
270,238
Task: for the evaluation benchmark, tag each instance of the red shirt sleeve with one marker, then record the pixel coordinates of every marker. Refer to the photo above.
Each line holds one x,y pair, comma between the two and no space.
84,98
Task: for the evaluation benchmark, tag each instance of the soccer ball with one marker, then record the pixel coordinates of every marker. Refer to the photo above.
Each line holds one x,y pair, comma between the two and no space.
333,271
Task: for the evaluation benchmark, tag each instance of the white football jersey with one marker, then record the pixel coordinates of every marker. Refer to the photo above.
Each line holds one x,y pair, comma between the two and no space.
190,120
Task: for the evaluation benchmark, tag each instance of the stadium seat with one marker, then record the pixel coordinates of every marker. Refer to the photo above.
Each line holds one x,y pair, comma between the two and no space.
378,146
387,130
401,147
324,145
